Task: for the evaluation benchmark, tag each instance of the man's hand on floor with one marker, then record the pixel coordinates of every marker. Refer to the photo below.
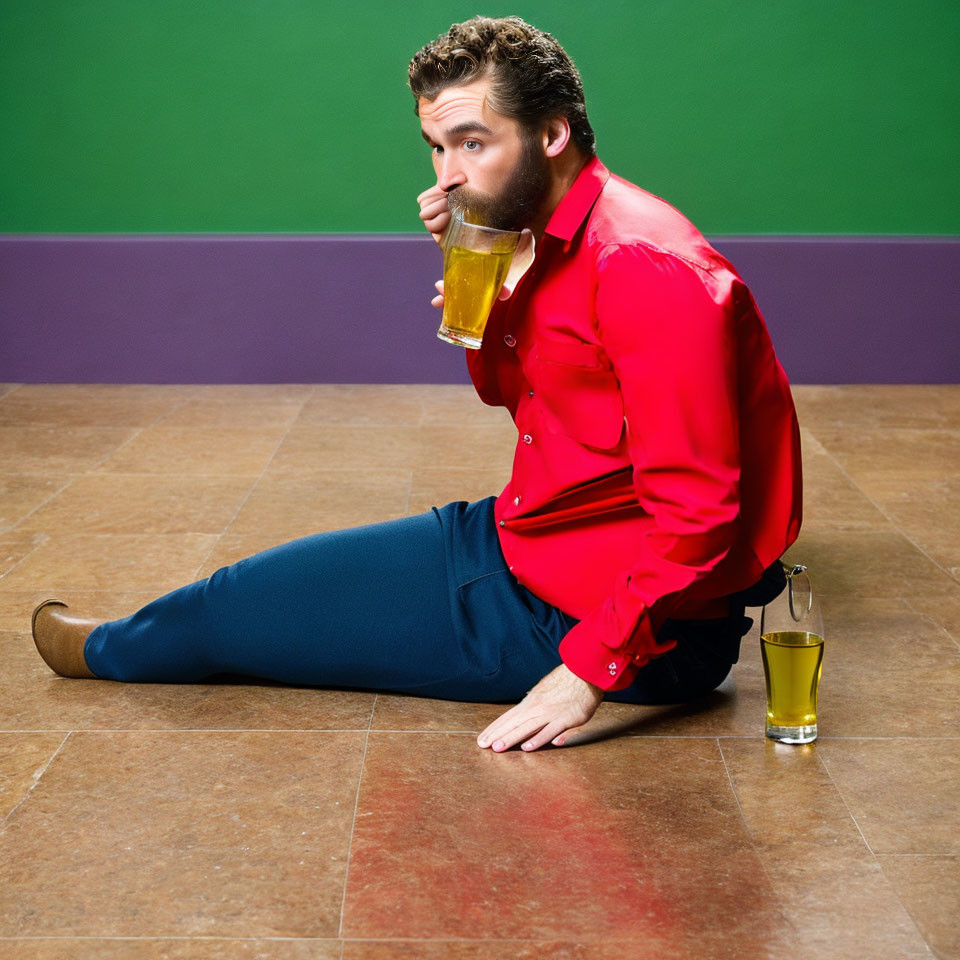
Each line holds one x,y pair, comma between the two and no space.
556,706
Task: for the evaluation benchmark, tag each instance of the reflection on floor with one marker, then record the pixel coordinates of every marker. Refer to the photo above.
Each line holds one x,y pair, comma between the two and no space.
254,820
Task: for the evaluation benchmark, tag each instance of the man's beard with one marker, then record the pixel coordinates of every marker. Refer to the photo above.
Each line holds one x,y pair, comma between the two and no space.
520,200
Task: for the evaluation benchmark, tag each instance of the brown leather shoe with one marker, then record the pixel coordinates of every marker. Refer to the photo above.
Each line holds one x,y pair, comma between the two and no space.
60,638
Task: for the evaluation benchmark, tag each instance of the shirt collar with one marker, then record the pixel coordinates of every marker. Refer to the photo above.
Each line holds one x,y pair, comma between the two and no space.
572,210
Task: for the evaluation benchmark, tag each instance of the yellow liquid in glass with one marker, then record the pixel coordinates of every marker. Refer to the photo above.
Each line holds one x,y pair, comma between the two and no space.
471,281
792,662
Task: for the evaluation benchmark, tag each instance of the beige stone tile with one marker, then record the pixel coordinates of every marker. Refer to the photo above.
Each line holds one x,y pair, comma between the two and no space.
56,449
928,514
236,413
90,404
944,611
831,888
868,563
35,698
310,448
184,834
438,486
252,392
831,500
197,450
902,793
457,405
875,459
887,672
200,948
450,405
288,506
526,949
930,889
106,503
117,562
787,798
810,446
23,757
879,405
455,842
22,492
15,545
387,404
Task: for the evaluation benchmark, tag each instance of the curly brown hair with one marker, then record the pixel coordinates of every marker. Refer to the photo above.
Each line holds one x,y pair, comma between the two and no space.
533,78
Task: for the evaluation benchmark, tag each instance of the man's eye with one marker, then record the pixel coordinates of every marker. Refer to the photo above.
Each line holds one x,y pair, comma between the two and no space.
471,145
438,149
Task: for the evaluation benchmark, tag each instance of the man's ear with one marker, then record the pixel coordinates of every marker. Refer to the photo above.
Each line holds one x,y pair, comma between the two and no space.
556,136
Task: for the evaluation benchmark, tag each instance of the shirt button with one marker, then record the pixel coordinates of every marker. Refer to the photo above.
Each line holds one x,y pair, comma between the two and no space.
510,340
531,393
612,666
503,523
516,501
527,438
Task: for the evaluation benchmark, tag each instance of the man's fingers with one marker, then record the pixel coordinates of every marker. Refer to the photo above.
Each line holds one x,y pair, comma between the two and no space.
503,723
548,733
434,208
437,224
431,193
509,729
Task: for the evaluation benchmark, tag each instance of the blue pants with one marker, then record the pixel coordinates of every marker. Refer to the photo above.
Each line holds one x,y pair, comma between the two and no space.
423,605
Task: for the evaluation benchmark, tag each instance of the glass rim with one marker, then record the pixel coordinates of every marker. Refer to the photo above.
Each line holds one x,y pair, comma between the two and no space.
458,217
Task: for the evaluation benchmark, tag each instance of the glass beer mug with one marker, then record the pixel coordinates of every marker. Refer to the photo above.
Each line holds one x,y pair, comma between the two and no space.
791,642
476,260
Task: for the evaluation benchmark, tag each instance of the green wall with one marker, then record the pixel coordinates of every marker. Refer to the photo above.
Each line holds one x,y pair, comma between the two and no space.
251,116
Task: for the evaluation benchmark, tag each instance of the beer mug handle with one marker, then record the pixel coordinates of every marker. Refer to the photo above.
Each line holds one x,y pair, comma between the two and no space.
799,592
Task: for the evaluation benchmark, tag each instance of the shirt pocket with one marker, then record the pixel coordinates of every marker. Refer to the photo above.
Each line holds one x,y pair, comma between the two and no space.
579,392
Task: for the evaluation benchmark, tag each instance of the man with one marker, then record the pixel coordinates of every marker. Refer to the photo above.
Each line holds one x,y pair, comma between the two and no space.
629,321
656,477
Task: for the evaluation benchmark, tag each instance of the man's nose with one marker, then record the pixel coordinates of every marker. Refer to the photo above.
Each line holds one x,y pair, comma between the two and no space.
451,174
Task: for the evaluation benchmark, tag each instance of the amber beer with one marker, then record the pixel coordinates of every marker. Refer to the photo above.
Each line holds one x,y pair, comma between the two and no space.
792,661
476,260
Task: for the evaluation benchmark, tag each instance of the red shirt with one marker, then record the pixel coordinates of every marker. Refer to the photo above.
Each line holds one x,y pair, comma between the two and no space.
657,466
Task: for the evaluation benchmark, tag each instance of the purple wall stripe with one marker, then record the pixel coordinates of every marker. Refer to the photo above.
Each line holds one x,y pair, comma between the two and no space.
205,308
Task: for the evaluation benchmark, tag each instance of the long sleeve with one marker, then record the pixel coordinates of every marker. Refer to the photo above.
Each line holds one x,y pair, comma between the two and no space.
670,333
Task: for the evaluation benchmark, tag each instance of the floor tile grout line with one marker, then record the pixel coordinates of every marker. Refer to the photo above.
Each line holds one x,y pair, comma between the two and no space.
893,891
933,620
344,940
754,845
37,778
353,825
90,470
883,512
733,788
30,513
420,733
846,806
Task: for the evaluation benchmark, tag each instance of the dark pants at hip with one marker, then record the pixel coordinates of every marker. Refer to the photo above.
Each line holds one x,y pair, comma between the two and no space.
423,605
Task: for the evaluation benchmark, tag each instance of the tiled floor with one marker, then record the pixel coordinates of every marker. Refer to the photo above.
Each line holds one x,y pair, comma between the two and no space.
254,820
